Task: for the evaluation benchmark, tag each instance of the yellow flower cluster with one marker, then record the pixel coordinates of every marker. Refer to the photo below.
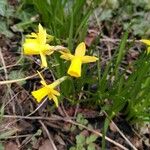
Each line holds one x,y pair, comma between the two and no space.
77,60
36,44
48,90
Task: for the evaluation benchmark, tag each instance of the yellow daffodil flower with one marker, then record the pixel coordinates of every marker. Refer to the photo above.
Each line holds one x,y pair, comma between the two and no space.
35,44
48,90
77,60
147,42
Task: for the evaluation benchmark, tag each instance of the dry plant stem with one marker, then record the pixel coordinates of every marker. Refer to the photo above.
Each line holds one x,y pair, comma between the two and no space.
3,63
6,78
25,141
19,136
77,107
107,39
60,110
10,100
48,134
63,110
10,66
109,50
17,63
19,80
121,133
40,105
65,119
30,113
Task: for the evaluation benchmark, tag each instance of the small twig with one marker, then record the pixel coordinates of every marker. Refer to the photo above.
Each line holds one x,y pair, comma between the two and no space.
109,51
18,80
18,136
10,100
121,133
48,134
3,63
77,106
37,108
63,110
6,77
106,39
10,66
52,118
25,117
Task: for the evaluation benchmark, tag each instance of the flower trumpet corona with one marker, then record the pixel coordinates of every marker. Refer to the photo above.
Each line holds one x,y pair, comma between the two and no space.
35,44
147,42
77,60
48,90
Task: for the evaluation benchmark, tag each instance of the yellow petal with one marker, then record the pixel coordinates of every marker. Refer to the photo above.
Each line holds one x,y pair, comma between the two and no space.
54,99
40,93
43,59
42,79
30,40
145,41
42,35
75,67
31,48
32,35
47,49
148,50
88,59
49,52
66,56
43,83
80,50
55,92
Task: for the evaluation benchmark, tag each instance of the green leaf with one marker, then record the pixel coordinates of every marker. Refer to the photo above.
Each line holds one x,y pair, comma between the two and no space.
80,147
80,139
106,15
3,4
1,146
81,120
17,75
91,146
121,52
72,148
4,30
91,138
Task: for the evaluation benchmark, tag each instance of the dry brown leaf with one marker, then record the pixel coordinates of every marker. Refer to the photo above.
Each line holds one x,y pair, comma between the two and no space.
46,145
92,34
11,146
60,140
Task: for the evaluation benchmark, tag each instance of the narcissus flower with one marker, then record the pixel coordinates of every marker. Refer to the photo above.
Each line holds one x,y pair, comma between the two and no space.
77,60
48,90
148,43
35,44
